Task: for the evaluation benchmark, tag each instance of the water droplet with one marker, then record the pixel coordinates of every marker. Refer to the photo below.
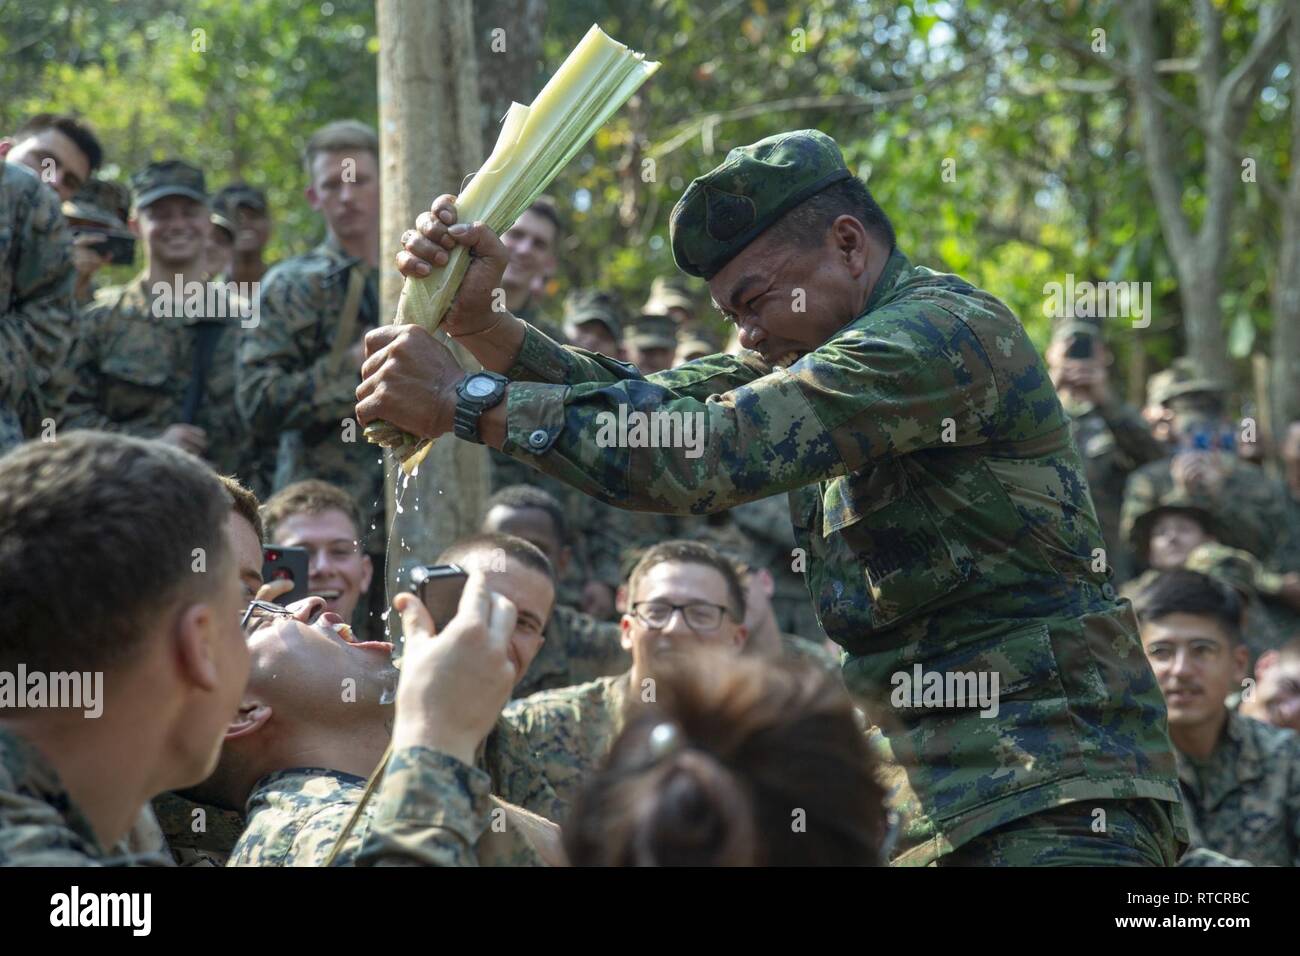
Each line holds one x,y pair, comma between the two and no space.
384,617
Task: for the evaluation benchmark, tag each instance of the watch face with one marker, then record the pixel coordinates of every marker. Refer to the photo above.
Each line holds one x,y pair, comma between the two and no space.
480,386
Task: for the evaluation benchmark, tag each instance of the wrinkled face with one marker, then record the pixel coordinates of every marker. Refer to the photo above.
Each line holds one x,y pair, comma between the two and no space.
248,554
650,360
531,242
1195,664
530,591
595,337
252,229
1278,693
174,230
1173,537
788,299
338,570
314,672
54,157
345,190
678,583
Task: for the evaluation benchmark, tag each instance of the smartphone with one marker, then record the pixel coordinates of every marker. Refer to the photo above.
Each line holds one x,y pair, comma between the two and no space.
439,586
281,564
1080,347
118,247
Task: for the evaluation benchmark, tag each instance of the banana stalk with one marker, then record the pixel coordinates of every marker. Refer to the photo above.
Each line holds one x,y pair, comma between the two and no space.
535,143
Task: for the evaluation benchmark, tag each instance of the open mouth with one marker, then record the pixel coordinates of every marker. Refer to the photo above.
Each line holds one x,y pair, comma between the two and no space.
330,621
328,595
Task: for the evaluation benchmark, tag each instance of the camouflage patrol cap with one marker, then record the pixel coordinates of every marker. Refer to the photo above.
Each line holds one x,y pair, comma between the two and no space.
653,332
727,208
171,177
84,210
1171,504
1239,569
667,293
224,224
695,346
113,197
1183,377
229,198
594,305
1072,327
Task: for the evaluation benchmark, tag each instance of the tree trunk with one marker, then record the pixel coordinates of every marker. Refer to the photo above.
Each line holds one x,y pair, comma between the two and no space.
1286,287
1226,100
430,137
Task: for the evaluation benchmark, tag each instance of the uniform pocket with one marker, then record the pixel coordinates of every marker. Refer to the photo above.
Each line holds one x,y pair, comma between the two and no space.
135,384
892,530
1016,734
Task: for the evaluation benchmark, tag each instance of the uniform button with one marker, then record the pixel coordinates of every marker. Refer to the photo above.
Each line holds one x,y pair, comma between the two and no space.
538,438
1108,591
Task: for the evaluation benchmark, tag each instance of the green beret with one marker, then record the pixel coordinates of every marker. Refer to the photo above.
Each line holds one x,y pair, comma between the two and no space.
726,209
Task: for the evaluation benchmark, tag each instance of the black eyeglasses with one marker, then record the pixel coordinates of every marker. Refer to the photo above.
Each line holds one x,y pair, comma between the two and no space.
698,616
260,613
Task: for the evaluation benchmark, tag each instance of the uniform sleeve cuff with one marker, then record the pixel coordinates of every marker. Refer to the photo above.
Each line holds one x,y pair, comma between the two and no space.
540,359
534,417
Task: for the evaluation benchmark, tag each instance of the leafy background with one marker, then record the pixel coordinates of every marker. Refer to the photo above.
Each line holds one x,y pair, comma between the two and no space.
1048,178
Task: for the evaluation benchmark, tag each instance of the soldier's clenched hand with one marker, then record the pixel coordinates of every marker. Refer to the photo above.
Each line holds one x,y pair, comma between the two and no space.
428,245
409,380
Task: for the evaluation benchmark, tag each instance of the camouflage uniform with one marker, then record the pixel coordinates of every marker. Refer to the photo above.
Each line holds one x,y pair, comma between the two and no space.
1244,801
1113,440
430,810
131,372
766,523
288,381
40,825
295,817
547,745
1247,508
36,308
577,648
965,555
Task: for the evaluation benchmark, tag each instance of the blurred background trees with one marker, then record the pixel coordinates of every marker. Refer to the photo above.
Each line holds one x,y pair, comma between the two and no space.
1012,142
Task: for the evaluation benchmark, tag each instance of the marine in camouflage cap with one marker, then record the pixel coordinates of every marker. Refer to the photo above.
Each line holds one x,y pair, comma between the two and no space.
587,307
651,343
169,177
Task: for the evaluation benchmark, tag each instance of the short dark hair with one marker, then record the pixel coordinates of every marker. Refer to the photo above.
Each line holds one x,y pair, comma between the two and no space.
711,773
311,497
690,552
348,134
807,222
530,496
547,208
69,126
525,552
1189,592
98,533
245,503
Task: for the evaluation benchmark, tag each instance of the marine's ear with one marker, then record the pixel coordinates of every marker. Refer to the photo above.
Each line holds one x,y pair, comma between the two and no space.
252,715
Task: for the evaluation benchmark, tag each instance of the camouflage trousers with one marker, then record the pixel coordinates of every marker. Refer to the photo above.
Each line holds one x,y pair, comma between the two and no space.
1132,833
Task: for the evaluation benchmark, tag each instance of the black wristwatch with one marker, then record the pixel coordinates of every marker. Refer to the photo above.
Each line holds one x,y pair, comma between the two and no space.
475,394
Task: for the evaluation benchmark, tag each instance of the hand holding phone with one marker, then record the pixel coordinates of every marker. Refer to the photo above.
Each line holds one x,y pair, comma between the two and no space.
286,564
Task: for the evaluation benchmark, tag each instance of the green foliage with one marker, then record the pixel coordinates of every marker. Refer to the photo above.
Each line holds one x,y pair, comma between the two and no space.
1045,177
